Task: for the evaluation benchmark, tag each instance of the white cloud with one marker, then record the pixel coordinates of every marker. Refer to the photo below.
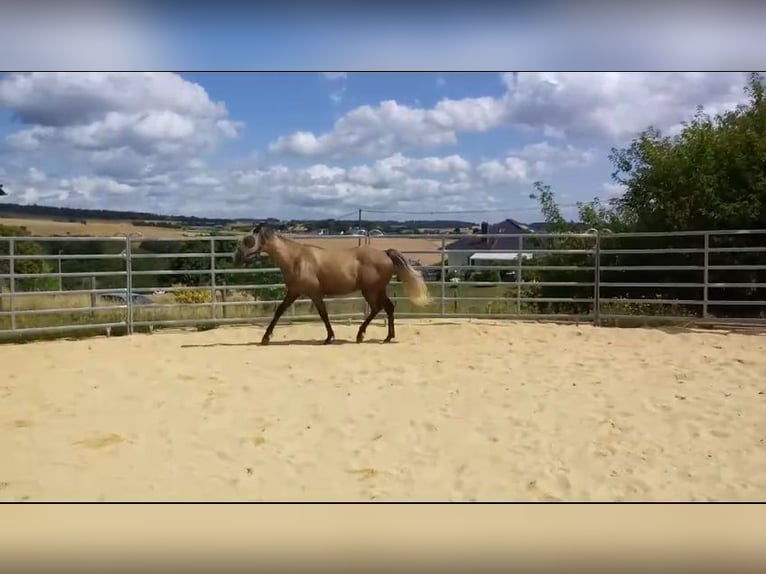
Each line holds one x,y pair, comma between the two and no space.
615,105
451,181
146,113
35,175
613,189
605,106
203,180
119,126
510,170
534,161
389,126
113,138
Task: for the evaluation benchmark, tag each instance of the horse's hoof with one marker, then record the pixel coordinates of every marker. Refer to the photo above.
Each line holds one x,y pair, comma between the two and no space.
359,338
265,341
329,340
387,339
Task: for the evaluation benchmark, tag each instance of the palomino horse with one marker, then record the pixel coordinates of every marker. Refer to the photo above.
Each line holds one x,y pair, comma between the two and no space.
314,272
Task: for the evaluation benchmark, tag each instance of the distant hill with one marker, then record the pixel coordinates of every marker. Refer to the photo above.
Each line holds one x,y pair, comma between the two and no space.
14,210
71,213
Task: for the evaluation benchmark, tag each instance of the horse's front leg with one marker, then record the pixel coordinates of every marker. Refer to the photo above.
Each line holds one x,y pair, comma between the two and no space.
283,306
322,310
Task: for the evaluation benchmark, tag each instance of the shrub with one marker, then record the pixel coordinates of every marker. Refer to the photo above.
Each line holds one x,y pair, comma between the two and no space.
191,297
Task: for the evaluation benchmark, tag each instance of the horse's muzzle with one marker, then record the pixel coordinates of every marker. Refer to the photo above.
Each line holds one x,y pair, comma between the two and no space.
240,258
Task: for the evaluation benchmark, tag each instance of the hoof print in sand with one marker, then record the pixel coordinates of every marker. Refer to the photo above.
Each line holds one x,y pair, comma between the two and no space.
102,441
365,473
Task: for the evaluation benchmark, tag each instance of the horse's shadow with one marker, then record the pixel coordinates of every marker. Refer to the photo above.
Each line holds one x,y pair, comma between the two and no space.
289,343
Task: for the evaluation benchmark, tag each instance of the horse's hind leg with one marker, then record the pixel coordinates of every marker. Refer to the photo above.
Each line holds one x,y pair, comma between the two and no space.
388,305
375,306
319,304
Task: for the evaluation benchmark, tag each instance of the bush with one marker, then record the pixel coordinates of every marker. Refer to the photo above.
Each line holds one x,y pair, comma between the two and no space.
195,296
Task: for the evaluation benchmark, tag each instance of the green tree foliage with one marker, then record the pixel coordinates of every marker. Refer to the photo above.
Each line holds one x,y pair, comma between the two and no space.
25,266
710,176
114,264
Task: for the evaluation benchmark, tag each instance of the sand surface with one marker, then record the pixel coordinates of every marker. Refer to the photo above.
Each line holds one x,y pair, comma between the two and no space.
455,410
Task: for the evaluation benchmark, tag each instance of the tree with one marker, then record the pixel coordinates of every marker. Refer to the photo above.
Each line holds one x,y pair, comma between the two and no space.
710,176
23,266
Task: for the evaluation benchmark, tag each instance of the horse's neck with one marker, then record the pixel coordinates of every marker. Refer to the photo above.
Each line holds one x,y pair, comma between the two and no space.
281,250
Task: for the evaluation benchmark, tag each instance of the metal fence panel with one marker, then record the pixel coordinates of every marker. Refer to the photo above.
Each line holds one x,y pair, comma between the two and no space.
549,276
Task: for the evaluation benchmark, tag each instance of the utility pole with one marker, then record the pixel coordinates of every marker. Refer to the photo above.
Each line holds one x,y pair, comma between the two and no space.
359,226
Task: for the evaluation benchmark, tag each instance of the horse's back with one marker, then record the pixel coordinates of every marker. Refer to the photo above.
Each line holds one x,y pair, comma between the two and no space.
370,255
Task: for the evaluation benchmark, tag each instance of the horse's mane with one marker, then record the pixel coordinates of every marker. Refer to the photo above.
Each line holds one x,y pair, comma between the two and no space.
297,243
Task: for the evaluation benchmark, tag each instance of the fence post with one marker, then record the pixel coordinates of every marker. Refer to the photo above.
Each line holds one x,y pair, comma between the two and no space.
705,278
12,280
518,276
597,280
212,278
61,277
365,307
93,301
223,297
444,277
128,283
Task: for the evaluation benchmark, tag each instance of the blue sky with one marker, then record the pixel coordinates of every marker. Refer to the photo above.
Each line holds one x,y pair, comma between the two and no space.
311,144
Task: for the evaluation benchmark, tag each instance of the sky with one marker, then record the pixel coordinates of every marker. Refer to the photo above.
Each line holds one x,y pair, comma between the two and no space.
315,144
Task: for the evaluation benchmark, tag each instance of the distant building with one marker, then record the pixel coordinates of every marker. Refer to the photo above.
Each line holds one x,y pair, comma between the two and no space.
481,249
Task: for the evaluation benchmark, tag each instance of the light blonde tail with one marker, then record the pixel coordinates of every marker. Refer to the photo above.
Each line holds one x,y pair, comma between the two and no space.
414,286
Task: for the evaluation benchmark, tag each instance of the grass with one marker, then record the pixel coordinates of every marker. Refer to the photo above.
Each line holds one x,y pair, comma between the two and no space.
194,308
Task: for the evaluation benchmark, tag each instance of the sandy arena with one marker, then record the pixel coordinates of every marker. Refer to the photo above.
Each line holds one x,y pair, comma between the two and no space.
455,410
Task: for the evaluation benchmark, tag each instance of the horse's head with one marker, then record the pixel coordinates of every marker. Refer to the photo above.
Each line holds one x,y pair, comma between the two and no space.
252,245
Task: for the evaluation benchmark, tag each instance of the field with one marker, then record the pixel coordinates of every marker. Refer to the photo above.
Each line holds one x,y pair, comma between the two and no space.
49,227
453,410
386,242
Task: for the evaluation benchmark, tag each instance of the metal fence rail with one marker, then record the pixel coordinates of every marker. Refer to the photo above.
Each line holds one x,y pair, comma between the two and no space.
600,277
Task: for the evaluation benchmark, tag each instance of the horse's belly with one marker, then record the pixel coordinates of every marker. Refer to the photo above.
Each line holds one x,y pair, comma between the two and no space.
336,289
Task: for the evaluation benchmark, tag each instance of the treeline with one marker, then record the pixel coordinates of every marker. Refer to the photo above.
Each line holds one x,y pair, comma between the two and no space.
333,226
79,214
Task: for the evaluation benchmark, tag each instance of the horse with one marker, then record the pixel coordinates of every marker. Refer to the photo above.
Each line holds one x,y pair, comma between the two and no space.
314,272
